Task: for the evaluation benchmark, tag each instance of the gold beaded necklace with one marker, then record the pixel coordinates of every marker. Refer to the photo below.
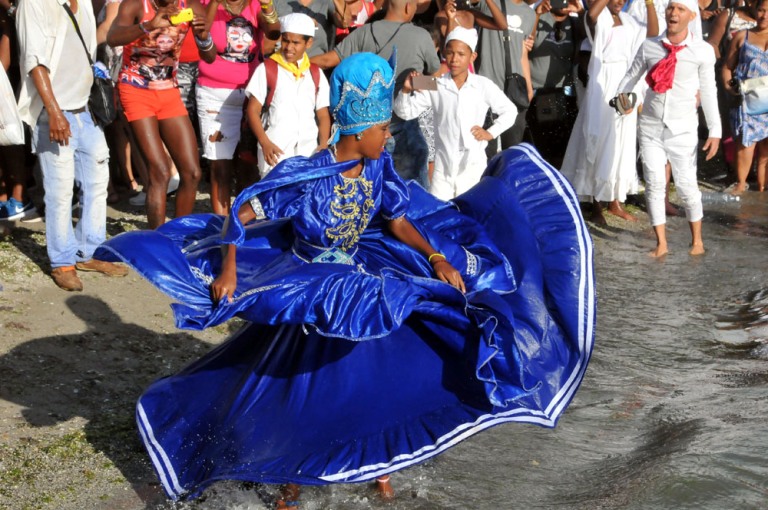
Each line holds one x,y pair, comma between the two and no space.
239,6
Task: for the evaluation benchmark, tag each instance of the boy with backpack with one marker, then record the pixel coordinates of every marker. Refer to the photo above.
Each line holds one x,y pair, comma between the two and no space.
288,98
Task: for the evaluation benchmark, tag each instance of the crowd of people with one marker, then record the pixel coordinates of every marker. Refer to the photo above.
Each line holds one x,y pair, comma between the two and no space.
228,92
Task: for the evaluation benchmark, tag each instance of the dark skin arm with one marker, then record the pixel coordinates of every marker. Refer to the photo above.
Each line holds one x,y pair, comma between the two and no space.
595,8
323,128
402,229
5,41
496,21
731,61
57,123
327,60
126,27
271,31
226,283
271,151
717,32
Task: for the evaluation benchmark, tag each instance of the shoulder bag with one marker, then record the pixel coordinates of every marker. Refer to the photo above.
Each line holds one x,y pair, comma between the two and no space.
515,86
101,102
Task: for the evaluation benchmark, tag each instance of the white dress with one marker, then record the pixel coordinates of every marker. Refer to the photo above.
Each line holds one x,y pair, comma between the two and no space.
601,154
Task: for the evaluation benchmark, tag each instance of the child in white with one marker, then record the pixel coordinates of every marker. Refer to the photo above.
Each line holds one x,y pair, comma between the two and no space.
298,120
460,104
678,65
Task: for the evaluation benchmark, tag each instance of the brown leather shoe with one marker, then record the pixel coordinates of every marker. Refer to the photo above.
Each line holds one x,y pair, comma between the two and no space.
66,278
99,266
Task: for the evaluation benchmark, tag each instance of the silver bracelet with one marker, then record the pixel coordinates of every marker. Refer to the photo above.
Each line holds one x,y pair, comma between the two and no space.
204,42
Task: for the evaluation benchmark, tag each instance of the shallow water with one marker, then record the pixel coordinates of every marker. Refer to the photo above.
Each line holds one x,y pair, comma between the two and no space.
673,412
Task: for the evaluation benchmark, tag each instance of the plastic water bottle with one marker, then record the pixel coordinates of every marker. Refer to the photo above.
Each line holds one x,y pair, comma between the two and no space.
718,198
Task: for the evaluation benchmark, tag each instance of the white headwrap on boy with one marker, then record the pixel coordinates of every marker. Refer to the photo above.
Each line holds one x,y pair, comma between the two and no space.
466,35
297,23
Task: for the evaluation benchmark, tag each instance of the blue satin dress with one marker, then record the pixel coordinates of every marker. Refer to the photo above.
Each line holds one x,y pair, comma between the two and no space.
357,362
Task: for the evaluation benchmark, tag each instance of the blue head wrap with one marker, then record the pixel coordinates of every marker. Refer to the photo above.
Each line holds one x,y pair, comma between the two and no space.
361,93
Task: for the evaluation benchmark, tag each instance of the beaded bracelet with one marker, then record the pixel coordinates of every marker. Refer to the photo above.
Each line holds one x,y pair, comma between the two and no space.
143,28
429,259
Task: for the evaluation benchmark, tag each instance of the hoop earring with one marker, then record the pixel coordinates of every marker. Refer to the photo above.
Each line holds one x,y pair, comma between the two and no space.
358,136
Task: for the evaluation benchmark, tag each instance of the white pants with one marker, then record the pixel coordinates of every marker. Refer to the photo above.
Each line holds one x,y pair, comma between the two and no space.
449,185
657,146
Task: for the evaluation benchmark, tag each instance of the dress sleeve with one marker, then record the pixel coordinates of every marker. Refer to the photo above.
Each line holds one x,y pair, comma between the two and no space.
395,196
282,202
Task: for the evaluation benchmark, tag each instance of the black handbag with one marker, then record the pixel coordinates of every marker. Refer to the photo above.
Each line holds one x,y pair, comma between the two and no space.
515,86
516,89
101,102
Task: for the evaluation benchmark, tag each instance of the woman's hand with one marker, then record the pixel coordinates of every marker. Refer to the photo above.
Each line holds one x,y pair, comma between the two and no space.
224,285
162,17
199,27
445,272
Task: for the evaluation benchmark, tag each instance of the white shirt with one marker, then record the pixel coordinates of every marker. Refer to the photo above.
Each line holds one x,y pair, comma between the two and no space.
292,110
456,112
42,31
695,71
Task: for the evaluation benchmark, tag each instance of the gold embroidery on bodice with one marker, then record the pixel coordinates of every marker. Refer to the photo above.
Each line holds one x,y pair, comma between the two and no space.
351,205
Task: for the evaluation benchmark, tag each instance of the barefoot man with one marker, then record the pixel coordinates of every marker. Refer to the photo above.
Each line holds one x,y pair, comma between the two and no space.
678,65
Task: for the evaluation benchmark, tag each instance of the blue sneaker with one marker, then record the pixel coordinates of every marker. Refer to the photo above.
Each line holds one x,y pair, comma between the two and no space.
15,210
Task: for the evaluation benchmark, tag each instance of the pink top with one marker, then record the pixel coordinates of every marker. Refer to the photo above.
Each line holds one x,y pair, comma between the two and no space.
238,45
150,61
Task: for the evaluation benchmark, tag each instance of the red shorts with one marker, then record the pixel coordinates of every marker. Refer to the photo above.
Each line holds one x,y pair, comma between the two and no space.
141,103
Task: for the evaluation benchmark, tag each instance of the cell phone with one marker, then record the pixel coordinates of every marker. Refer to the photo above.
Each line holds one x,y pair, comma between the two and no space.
182,16
558,4
422,82
463,5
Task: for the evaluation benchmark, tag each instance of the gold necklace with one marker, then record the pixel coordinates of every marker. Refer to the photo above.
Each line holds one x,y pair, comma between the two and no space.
239,6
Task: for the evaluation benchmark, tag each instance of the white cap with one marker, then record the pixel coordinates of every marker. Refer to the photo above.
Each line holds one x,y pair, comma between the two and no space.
692,5
297,23
466,35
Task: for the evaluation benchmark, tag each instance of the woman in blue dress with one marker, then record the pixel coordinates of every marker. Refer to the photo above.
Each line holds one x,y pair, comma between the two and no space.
456,316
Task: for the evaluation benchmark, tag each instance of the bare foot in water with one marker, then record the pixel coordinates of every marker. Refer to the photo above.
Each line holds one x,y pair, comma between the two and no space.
660,251
289,497
616,209
740,188
696,249
384,488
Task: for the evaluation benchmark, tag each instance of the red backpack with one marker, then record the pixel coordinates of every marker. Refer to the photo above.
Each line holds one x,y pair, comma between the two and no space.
270,66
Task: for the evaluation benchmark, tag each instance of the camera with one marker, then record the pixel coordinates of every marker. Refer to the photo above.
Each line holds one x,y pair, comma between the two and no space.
558,4
463,5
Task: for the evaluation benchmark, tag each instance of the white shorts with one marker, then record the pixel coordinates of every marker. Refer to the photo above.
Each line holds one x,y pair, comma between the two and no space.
220,112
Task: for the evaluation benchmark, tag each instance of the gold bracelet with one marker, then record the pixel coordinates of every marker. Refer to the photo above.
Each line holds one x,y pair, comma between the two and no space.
270,18
648,2
429,259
